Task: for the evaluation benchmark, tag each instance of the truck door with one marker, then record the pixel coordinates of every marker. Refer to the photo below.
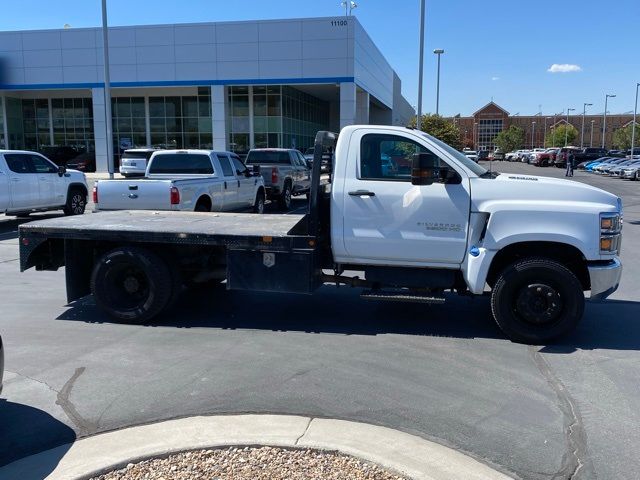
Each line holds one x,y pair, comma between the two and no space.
230,187
304,175
23,181
51,186
387,219
247,183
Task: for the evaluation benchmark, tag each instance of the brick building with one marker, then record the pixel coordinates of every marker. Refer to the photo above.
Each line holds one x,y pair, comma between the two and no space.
480,129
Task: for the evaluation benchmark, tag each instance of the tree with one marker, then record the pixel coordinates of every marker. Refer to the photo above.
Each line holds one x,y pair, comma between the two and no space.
556,139
511,139
622,137
440,128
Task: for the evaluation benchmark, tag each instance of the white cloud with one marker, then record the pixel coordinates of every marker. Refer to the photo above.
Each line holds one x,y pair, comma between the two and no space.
495,78
564,68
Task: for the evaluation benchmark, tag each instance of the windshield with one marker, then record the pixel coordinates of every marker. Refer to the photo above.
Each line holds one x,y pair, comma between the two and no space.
268,156
181,164
460,157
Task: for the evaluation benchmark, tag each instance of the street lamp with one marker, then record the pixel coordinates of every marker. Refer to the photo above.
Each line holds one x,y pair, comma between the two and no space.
633,125
584,111
533,134
544,136
566,128
438,51
475,136
591,141
348,7
604,121
421,64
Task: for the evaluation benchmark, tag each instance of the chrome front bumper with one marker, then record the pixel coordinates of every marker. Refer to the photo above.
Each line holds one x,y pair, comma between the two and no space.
605,278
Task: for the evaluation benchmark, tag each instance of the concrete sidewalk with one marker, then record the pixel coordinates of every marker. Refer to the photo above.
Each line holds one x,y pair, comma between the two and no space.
398,451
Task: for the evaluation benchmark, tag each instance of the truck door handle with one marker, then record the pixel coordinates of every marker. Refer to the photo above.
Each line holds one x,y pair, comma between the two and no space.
362,193
238,183
225,185
133,187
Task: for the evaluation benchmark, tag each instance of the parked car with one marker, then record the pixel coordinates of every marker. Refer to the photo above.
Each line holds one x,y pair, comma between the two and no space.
616,171
498,154
631,172
192,180
29,182
615,153
85,162
483,155
561,156
534,155
1,363
61,155
591,165
605,166
511,156
285,173
308,155
471,154
133,162
590,153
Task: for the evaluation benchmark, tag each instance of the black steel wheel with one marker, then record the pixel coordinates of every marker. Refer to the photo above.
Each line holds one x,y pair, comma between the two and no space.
536,300
285,197
76,202
131,284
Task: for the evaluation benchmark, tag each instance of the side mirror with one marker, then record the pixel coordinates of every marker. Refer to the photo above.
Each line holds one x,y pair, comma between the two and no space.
425,169
256,170
62,170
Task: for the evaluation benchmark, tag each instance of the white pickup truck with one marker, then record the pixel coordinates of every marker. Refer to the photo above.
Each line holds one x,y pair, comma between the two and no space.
195,180
536,245
30,183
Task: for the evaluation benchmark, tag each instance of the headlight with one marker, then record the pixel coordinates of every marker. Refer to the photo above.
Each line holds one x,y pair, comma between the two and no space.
610,231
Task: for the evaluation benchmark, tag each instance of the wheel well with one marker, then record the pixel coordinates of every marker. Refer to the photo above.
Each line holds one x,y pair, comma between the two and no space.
204,200
77,186
567,255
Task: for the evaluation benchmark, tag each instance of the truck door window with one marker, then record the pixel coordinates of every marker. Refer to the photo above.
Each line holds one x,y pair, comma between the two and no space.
240,167
227,170
388,157
40,165
18,163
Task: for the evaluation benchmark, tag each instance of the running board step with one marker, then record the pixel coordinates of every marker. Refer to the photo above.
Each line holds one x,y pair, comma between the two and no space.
400,297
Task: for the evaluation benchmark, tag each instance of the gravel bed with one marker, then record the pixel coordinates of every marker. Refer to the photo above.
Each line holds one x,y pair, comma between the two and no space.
263,463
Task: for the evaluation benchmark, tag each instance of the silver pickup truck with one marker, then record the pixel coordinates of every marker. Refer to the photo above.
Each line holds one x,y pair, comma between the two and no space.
285,173
195,180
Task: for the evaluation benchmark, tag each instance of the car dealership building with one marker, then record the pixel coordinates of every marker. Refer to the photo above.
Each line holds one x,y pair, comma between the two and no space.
226,86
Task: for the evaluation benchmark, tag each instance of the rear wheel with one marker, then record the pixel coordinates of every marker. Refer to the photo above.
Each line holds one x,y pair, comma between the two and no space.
202,206
131,284
536,300
258,205
285,197
76,202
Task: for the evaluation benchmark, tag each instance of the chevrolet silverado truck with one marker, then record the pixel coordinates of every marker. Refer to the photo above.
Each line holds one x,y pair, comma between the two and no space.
537,246
196,180
285,173
29,183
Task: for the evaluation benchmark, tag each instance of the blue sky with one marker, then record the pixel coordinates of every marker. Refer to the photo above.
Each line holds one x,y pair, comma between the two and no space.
494,49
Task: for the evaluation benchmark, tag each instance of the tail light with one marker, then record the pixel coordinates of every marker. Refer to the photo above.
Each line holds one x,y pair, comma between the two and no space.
95,193
274,175
175,196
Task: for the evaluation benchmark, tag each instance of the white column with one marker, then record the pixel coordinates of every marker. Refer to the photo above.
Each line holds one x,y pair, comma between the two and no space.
99,129
347,104
147,121
219,117
6,122
252,137
362,107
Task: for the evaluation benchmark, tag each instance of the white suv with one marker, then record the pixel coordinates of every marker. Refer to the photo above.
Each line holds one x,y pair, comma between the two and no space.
133,162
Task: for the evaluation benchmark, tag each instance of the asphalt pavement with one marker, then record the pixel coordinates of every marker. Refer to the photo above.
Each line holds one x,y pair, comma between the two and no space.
442,372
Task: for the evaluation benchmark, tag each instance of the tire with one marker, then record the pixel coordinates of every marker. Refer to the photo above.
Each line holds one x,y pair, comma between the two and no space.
258,205
284,201
132,284
636,177
201,206
536,300
76,202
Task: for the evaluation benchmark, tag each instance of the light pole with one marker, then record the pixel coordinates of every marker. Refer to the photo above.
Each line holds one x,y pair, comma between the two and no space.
107,90
475,136
438,51
533,135
584,111
566,128
544,136
633,125
420,68
604,120
348,7
591,141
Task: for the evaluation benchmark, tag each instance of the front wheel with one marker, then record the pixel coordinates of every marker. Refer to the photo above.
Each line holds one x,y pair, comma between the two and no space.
132,284
76,202
258,205
536,300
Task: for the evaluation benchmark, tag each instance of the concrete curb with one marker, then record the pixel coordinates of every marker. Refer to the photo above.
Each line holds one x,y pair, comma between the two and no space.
404,453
